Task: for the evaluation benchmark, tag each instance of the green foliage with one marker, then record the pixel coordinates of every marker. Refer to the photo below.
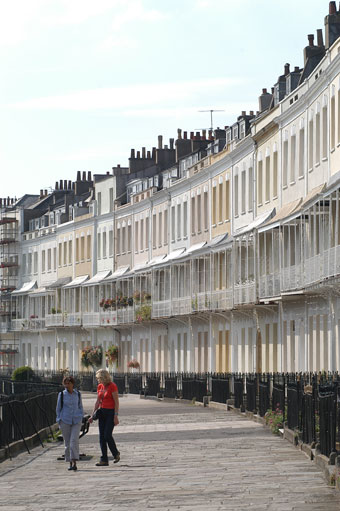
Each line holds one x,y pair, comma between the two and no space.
143,313
92,356
24,373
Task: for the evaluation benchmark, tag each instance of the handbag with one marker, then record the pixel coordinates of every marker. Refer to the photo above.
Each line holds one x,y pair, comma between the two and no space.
97,414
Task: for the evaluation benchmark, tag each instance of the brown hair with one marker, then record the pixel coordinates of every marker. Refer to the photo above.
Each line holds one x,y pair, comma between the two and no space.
68,379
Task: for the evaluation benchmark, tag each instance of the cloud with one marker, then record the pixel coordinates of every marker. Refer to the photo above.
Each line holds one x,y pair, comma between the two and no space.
131,96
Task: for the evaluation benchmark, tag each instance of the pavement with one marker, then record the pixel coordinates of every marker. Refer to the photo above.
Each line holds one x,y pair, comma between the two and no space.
173,456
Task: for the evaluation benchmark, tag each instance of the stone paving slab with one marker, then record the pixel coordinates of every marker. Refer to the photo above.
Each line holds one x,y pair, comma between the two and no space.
173,456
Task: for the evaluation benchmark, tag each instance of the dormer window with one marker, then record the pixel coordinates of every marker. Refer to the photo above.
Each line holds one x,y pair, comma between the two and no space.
242,129
235,132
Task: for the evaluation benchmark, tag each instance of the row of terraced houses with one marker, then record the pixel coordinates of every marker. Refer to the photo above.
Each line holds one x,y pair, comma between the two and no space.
219,251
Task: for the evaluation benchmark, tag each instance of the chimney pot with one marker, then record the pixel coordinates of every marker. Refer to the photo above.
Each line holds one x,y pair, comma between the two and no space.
185,134
73,186
332,7
41,194
296,69
61,184
171,140
56,185
287,69
143,152
319,36
251,112
243,113
272,89
84,175
311,39
78,175
264,91
148,155
191,135
132,153
179,134
45,193
165,146
89,176
160,141
107,173
138,155
65,184
70,184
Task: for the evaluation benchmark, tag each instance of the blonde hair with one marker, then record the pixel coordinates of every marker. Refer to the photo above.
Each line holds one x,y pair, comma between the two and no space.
104,375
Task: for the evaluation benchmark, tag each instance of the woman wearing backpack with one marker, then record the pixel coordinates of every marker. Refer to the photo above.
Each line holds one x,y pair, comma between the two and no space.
69,417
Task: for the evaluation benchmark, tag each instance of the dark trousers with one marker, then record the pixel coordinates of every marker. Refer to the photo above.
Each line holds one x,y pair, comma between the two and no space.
106,426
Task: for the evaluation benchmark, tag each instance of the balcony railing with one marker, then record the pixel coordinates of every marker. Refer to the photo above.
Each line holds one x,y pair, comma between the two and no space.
313,269
37,324
201,302
126,315
108,317
72,319
245,293
54,320
19,325
222,299
91,318
161,309
181,306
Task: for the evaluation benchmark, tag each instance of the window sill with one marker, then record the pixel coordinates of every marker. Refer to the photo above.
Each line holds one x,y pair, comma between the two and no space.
213,226
310,170
333,149
275,197
267,201
301,177
317,164
284,187
292,183
220,223
325,158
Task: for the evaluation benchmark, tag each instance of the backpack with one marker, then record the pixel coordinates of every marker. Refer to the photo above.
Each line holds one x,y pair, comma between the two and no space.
62,399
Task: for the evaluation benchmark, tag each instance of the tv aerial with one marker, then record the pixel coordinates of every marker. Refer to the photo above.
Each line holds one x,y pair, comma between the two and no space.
211,110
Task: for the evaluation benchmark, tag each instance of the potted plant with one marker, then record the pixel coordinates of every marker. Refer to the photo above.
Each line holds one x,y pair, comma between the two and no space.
112,354
133,364
143,313
92,356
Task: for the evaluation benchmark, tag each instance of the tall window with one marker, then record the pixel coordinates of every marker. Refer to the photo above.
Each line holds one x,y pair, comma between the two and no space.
227,200
243,192
236,195
275,175
179,221
220,202
118,245
49,259
136,236
185,219
160,228
77,250
99,245
60,254
154,230
123,244
213,206
82,247
65,253
333,122
205,210
69,251
99,202
165,223
310,143
43,261
193,213
173,223
110,199
55,258
88,243
199,213
129,239
324,132
141,237
292,158
35,262
147,232
317,138
301,152
111,243
260,182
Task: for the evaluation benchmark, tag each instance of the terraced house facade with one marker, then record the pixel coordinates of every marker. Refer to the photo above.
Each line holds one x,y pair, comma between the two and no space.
217,252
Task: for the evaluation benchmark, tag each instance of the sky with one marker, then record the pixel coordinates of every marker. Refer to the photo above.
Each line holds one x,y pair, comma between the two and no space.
84,81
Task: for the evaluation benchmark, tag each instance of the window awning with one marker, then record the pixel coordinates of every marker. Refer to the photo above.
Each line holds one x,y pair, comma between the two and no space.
286,211
195,247
59,283
313,195
118,273
140,267
218,239
78,281
98,277
173,255
157,260
261,219
25,288
40,291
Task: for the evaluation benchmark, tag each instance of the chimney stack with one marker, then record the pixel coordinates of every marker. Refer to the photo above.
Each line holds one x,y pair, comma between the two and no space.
65,184
132,153
70,185
61,184
287,69
160,142
138,155
89,176
319,36
148,155
311,39
171,140
56,185
143,152
84,175
185,134
332,8
78,175
179,134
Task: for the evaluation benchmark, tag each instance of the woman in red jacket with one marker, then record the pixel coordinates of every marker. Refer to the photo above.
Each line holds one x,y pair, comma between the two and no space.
108,402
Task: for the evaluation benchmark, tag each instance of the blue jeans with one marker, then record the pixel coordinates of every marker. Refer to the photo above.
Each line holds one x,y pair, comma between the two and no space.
106,426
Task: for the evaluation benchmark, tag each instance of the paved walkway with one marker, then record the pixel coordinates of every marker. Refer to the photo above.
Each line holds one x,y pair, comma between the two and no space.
173,456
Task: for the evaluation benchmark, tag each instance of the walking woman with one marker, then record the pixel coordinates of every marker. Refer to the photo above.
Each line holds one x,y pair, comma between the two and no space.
108,402
69,417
